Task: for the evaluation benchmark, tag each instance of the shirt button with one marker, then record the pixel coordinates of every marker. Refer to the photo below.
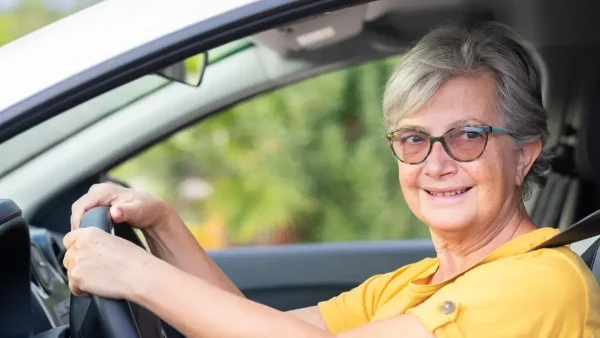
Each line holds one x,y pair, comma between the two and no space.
447,307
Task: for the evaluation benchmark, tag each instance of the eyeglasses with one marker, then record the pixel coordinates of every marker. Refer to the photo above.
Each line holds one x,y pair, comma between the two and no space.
463,144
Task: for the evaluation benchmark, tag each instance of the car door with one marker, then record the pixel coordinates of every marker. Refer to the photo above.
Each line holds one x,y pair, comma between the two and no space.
296,276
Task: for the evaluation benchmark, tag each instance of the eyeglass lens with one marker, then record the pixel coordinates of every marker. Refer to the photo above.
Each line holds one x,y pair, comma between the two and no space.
462,144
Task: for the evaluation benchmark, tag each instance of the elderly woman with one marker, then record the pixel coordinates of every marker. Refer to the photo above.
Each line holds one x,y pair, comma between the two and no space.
467,127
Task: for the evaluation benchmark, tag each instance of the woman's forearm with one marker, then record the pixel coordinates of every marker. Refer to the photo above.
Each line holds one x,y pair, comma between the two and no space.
174,243
199,309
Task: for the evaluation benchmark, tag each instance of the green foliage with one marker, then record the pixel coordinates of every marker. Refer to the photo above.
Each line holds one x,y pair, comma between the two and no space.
310,156
30,15
7,27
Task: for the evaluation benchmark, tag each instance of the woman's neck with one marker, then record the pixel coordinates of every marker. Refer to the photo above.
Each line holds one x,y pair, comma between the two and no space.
459,252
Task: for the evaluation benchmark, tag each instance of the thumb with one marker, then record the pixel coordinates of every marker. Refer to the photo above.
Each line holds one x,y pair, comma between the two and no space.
127,212
132,213
118,213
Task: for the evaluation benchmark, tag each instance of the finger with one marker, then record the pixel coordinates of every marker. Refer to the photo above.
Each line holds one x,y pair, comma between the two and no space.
85,203
68,259
118,212
76,290
78,237
125,211
73,221
75,281
70,238
99,194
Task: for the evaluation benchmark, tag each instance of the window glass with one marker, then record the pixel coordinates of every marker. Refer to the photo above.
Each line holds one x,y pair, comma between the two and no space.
304,163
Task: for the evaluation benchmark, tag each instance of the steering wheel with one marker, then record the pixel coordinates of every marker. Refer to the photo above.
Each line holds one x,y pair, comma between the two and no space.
110,318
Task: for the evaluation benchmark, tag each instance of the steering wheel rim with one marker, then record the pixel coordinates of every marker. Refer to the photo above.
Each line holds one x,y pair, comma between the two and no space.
114,315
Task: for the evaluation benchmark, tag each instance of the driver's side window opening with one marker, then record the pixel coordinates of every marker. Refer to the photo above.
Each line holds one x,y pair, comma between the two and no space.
304,163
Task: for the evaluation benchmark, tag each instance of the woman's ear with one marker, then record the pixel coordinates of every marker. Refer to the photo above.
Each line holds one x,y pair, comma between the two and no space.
528,153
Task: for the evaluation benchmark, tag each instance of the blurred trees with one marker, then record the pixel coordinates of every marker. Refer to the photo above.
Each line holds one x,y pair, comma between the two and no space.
304,163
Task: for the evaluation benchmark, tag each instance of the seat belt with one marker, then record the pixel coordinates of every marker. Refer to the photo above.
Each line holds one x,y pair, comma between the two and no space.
586,228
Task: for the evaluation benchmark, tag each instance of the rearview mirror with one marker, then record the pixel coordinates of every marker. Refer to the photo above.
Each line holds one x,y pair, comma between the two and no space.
188,71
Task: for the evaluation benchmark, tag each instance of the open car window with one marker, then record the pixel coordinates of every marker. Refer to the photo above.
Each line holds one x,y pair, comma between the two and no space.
304,163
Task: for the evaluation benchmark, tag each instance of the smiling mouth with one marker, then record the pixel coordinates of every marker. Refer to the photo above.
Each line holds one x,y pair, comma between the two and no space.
448,193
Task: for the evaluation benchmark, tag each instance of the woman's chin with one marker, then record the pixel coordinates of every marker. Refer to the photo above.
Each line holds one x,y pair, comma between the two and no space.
447,226
448,221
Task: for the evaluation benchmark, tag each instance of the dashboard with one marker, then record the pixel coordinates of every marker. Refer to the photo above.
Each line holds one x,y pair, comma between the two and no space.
50,294
34,292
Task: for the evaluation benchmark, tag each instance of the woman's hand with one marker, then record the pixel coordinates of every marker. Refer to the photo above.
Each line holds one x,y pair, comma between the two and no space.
102,264
167,236
138,209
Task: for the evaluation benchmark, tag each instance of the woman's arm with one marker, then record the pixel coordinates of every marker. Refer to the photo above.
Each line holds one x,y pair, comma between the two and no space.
199,309
310,315
175,244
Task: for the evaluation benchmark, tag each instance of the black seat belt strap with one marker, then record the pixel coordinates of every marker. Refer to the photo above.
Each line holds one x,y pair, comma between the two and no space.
584,229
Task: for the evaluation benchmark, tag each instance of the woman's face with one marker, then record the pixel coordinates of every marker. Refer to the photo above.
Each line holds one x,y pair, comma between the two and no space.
487,186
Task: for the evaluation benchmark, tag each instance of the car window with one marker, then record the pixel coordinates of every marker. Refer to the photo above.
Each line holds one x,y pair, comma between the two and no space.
304,163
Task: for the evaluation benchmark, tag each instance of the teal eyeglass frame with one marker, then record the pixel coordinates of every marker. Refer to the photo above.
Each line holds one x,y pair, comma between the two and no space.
485,130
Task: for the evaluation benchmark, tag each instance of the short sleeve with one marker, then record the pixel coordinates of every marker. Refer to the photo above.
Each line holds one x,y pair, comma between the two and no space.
542,296
356,307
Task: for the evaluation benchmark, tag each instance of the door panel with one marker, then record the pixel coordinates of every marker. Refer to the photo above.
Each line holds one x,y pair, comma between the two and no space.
294,276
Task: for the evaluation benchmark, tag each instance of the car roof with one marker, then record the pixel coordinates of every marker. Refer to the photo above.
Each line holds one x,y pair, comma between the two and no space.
94,35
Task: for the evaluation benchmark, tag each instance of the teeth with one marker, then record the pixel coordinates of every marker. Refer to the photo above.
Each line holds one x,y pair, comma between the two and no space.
447,193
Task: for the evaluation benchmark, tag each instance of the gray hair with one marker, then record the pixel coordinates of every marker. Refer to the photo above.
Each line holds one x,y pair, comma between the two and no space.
493,48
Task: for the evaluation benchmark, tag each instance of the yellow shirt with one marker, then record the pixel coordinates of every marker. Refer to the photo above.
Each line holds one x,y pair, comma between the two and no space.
512,292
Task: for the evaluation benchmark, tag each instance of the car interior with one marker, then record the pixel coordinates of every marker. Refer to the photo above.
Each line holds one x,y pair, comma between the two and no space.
41,179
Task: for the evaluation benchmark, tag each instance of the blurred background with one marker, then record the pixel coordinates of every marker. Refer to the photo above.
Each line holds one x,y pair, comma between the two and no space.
19,17
304,163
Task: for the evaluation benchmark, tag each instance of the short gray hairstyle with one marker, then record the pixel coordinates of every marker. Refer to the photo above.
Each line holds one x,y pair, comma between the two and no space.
492,48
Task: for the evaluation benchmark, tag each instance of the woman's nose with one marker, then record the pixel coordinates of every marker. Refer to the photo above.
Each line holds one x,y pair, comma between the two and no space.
439,163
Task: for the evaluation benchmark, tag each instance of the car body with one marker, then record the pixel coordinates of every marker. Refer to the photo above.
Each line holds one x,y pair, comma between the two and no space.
92,103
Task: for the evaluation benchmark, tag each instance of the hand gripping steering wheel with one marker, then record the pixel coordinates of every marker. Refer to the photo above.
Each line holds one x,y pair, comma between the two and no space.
109,318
